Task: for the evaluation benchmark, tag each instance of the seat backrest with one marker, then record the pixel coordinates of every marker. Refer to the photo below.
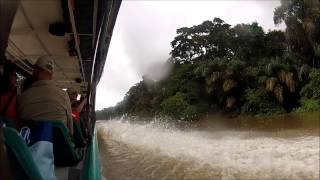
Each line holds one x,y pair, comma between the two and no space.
7,122
79,139
64,150
21,161
83,126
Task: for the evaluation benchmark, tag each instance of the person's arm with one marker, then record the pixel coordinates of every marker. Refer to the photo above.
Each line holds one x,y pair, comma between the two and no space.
79,108
69,115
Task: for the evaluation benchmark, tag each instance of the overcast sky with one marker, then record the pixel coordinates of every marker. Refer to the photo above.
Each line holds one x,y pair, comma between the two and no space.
144,29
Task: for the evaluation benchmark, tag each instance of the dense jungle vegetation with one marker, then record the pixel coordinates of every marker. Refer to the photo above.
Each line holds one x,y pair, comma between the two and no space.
237,69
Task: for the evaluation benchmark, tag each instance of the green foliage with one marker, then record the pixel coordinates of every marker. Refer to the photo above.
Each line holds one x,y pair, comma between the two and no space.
257,101
177,107
236,65
275,43
207,40
309,105
248,41
179,79
312,89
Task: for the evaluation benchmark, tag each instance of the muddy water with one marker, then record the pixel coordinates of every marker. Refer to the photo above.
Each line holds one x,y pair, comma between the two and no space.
285,147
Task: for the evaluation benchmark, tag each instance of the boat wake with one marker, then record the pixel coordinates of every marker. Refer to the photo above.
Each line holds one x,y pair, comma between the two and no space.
152,151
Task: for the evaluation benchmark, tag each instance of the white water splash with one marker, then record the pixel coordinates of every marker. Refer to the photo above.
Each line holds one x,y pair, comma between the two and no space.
157,152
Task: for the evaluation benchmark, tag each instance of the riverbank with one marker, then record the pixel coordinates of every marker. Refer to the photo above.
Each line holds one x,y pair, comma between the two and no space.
276,122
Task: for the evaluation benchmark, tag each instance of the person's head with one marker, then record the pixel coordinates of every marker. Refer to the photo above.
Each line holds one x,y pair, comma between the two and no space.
9,78
73,94
43,69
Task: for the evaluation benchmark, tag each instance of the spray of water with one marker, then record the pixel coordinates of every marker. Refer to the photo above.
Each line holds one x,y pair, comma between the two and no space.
155,151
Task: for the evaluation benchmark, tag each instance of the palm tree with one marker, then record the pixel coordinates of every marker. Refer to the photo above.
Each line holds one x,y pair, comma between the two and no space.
280,76
221,79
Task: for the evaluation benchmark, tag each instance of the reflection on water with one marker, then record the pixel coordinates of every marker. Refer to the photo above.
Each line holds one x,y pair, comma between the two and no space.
139,151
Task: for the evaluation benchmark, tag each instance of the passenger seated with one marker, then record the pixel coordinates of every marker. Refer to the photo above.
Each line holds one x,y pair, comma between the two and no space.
76,105
43,100
8,93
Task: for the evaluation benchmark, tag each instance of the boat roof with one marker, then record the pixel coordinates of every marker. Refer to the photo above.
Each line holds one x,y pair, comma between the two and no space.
80,53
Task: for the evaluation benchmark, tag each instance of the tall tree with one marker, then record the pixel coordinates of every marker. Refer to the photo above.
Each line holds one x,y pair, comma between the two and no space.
302,18
249,41
208,40
275,44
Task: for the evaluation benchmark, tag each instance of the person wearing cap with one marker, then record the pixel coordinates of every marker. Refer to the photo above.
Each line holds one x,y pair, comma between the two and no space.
43,100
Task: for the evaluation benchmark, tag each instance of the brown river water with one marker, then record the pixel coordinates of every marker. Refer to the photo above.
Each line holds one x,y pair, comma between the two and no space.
279,147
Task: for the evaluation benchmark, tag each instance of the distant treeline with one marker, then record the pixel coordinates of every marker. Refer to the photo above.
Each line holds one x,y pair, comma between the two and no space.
236,69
